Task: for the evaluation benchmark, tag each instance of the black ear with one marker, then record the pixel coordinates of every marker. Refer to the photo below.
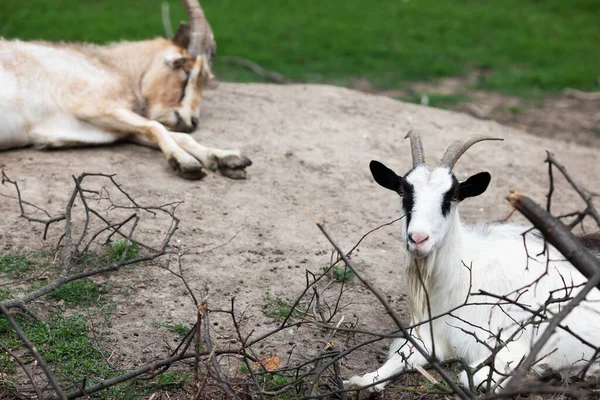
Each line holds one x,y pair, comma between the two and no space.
182,36
474,186
385,176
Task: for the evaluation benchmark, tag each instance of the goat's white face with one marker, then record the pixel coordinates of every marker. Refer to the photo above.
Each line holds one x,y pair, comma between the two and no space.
426,204
429,200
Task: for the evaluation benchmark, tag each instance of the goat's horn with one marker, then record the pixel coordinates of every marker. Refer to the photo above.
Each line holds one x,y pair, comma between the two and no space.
416,147
458,147
199,27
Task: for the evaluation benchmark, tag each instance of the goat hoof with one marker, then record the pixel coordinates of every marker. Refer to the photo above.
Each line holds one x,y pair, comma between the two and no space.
233,166
233,173
196,175
189,170
358,382
234,162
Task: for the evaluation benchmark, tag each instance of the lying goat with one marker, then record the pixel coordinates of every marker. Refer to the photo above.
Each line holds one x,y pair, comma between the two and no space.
448,260
55,95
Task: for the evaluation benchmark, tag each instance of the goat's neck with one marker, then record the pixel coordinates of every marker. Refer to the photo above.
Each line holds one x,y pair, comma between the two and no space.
131,60
440,277
134,58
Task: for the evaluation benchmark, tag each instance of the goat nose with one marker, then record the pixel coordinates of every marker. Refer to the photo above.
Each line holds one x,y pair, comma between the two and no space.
418,238
194,122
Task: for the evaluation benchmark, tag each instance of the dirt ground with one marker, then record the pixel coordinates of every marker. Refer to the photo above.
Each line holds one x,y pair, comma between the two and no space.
572,115
311,145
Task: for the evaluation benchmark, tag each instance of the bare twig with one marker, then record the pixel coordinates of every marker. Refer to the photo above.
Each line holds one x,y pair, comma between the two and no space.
46,222
257,69
591,210
557,234
203,309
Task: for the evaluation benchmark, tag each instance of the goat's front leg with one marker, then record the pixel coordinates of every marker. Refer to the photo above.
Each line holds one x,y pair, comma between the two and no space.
505,362
402,355
149,132
230,163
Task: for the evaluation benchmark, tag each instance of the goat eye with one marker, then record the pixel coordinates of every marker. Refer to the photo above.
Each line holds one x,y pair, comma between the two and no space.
454,197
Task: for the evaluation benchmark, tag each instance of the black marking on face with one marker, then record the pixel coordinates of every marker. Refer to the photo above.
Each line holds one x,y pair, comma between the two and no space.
187,80
449,196
408,199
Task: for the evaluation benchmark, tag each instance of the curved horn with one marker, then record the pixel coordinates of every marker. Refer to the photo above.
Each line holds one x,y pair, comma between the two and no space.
458,147
416,147
199,28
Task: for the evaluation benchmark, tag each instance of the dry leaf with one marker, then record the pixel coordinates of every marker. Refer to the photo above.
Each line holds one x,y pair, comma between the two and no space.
270,364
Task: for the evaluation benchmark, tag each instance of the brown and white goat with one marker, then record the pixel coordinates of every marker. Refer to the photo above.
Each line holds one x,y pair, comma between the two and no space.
56,95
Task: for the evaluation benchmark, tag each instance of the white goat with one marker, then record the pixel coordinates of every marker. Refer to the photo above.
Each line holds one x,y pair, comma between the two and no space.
55,95
447,261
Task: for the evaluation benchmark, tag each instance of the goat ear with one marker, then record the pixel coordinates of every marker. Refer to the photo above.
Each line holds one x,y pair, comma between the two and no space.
176,63
182,36
385,176
474,186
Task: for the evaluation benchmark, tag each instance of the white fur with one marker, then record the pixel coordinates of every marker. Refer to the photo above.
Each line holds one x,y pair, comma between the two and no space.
498,264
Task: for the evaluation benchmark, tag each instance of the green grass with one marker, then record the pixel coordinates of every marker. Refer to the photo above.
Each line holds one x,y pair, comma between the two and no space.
67,345
4,294
278,308
340,273
117,248
82,292
525,47
179,329
15,264
274,382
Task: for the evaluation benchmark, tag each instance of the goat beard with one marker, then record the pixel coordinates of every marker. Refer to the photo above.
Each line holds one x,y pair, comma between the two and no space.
418,277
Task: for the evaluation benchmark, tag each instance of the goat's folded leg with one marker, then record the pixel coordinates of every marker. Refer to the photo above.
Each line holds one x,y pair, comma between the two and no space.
402,356
504,362
149,133
231,163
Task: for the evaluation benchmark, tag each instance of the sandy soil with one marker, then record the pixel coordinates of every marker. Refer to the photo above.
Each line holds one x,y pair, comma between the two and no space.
311,146
571,115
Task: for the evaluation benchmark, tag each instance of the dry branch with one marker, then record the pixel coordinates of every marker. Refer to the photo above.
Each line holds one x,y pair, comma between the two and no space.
557,234
587,197
46,222
257,69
